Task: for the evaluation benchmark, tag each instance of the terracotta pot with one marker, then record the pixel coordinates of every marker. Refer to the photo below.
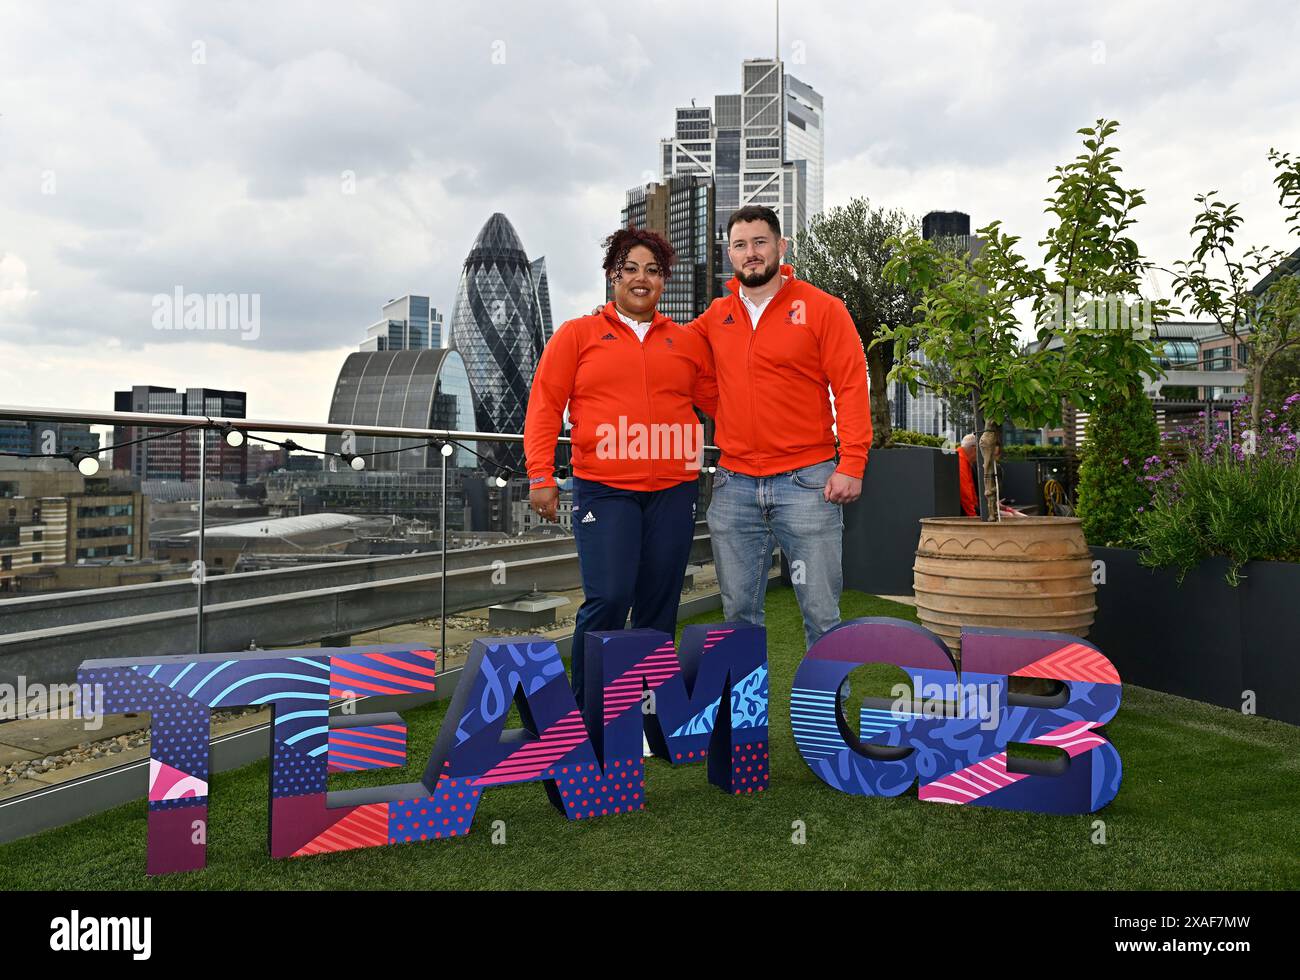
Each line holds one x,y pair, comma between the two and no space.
1029,573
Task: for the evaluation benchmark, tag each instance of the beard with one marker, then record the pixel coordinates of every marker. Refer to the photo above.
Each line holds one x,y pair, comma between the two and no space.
758,277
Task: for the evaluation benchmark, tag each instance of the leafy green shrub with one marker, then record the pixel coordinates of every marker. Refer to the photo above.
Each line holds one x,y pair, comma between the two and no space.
1121,430
906,437
1237,500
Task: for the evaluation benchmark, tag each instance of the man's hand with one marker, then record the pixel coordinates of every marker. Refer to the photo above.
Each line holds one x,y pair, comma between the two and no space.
545,501
842,489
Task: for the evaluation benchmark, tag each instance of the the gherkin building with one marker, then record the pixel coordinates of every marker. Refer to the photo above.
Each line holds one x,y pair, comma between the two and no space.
497,325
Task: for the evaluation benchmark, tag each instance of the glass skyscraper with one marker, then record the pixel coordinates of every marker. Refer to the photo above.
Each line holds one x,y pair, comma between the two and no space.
805,141
498,326
765,145
681,209
543,297
426,389
409,323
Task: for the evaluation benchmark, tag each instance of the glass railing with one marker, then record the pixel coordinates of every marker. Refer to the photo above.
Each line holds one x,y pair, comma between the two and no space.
255,534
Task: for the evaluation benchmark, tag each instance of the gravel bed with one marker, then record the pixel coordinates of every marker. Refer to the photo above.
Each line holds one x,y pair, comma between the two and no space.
98,749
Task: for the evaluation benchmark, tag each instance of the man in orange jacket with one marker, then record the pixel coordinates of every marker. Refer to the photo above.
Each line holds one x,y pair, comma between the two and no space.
782,349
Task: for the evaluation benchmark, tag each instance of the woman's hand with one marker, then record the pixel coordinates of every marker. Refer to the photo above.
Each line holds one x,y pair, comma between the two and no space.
545,502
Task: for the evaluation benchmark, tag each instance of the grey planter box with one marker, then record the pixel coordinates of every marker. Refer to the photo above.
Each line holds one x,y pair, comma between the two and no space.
1204,639
1020,482
881,528
1270,638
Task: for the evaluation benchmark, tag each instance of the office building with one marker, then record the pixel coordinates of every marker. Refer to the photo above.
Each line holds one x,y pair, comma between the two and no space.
50,516
408,323
497,326
927,411
47,437
949,227
543,297
764,145
176,457
681,209
805,141
425,389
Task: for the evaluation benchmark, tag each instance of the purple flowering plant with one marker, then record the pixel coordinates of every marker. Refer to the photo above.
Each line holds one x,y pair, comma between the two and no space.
1222,489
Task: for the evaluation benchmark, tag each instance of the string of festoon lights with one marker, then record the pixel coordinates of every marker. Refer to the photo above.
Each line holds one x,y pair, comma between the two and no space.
87,464
357,461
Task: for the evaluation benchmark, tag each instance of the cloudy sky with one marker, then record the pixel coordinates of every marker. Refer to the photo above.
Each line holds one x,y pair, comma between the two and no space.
328,156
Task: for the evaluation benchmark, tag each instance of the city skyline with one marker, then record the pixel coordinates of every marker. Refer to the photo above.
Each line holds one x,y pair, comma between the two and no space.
304,169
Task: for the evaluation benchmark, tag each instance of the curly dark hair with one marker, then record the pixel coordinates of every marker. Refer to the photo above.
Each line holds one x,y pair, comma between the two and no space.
624,240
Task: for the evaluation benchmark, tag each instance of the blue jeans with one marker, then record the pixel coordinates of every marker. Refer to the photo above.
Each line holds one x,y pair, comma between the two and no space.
748,513
633,546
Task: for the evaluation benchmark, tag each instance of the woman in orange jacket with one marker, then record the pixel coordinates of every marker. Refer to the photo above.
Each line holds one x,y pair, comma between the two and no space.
630,378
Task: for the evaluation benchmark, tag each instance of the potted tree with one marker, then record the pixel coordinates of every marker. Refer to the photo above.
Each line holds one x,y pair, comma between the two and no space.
1090,343
844,251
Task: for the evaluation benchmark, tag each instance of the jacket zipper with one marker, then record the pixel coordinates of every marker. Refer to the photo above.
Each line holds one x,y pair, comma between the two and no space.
649,404
645,382
749,354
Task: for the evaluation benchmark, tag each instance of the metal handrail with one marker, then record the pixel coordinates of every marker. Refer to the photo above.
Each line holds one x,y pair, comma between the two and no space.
147,420
154,421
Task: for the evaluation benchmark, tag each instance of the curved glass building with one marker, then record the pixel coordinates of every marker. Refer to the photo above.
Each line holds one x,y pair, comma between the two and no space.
419,389
497,325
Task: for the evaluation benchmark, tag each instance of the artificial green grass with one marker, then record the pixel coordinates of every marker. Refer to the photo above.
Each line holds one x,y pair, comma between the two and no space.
1210,799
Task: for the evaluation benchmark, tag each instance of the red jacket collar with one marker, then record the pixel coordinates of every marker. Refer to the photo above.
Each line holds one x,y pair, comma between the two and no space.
786,270
610,312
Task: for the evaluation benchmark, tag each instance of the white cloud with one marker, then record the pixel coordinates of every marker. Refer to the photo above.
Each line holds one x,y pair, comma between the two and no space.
127,169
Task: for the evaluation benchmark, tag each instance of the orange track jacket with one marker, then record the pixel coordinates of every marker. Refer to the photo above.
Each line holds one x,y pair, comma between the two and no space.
970,502
774,412
629,403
